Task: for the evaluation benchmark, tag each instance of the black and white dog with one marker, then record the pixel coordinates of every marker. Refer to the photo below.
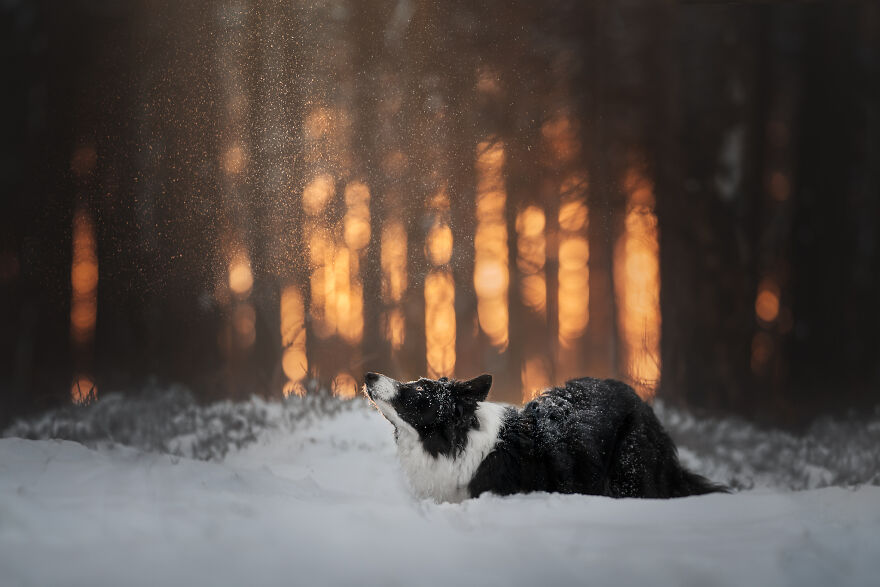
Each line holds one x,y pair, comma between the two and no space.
592,436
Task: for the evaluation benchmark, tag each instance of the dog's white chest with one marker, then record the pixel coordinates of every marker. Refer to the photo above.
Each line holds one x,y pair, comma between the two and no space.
440,478
444,478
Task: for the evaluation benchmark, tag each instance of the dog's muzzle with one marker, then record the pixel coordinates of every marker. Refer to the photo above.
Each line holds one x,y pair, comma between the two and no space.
370,379
380,387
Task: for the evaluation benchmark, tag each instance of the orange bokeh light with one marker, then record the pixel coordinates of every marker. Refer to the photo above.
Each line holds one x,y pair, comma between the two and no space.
574,287
294,361
440,323
344,385
317,193
439,244
83,389
531,245
83,279
491,276
337,299
357,216
395,328
637,283
241,278
573,256
393,261
767,300
535,377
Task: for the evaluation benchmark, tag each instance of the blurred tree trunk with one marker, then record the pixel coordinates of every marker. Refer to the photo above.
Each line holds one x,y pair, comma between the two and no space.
708,225
368,23
459,74
603,112
193,264
275,118
835,284
36,218
114,117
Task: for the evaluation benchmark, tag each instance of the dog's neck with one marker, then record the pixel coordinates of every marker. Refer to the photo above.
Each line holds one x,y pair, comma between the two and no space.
446,478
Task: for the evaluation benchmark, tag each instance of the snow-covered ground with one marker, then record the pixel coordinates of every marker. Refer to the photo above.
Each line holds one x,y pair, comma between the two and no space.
322,501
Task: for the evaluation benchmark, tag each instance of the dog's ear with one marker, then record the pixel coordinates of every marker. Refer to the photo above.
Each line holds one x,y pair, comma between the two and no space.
473,390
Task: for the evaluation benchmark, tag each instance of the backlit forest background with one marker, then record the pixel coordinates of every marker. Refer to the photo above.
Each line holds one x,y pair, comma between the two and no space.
251,196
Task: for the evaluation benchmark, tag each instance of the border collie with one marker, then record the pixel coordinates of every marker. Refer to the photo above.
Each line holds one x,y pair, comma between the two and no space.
591,436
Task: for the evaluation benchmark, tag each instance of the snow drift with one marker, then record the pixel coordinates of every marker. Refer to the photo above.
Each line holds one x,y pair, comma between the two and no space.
157,490
731,451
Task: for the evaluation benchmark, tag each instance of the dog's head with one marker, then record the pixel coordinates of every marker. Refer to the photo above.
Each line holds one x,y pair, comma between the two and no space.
440,412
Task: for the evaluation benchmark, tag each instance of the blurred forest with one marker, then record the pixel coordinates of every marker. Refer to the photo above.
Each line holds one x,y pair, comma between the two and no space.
246,195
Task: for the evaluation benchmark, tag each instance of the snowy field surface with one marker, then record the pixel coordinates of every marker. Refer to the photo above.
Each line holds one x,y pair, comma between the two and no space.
309,492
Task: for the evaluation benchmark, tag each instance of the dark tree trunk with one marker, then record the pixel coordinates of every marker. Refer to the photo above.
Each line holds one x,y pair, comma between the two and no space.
708,225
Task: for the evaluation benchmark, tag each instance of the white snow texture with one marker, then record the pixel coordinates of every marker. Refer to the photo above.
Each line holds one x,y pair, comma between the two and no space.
326,503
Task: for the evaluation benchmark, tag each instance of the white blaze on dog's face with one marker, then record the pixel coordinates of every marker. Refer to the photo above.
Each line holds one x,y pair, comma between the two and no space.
439,412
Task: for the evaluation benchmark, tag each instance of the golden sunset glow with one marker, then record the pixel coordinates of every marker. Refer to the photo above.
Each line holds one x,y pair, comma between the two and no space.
491,276
344,385
357,216
243,317
767,302
574,271
337,299
267,203
439,245
637,283
349,297
294,361
439,292
82,390
531,245
395,328
241,278
321,254
535,377
573,216
84,280
317,193
393,261
440,323
84,296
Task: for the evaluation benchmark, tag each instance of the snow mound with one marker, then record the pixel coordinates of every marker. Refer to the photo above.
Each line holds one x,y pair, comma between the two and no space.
730,451
830,453
325,503
170,421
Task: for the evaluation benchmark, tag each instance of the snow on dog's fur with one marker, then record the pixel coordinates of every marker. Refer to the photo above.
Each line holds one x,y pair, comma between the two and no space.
590,436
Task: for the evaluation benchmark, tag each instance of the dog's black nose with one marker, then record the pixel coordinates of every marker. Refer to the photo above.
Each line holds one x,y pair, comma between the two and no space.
371,377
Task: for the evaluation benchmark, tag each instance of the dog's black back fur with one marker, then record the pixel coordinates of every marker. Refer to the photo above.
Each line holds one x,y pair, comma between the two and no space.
592,436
